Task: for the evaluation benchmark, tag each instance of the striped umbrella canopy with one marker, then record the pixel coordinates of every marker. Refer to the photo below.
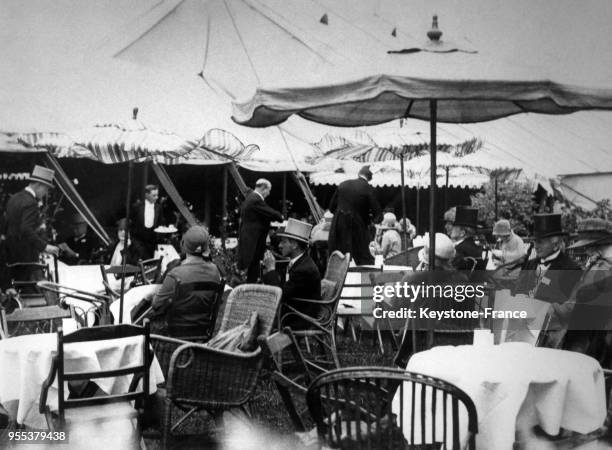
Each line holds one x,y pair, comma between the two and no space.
132,141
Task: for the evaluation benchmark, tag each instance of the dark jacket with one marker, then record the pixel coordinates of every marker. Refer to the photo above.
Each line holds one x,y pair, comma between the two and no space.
135,252
189,312
304,282
23,235
84,247
255,218
354,207
557,282
468,248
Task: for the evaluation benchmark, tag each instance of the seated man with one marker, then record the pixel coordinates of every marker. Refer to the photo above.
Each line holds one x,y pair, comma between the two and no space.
303,279
188,313
80,247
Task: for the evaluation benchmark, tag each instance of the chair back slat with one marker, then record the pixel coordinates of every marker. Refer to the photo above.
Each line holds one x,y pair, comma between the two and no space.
111,332
150,271
353,408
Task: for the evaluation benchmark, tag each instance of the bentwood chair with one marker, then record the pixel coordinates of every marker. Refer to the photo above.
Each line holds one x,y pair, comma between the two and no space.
44,319
383,408
291,376
322,326
150,272
87,308
100,413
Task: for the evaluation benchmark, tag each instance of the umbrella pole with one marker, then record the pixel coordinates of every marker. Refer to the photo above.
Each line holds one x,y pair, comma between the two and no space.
224,208
446,191
404,239
127,239
284,195
433,112
418,207
496,197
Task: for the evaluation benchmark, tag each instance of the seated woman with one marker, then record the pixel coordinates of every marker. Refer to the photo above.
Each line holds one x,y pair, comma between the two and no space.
388,242
189,312
134,252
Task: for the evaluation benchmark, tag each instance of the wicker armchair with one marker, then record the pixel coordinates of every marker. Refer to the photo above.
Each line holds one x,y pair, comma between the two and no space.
200,378
321,328
354,408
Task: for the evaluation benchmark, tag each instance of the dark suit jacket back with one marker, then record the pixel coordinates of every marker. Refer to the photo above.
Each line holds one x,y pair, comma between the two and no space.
24,239
356,196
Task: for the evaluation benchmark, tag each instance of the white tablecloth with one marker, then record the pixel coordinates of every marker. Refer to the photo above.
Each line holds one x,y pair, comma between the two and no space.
25,362
87,278
131,299
550,388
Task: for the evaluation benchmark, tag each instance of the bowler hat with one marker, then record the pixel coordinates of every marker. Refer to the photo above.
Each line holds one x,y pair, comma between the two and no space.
466,217
593,231
547,225
297,230
366,172
42,175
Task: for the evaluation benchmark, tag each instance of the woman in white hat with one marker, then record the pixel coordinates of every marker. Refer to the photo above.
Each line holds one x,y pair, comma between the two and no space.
388,242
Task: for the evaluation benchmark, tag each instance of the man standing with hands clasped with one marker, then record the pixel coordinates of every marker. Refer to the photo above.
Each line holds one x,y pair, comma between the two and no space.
255,218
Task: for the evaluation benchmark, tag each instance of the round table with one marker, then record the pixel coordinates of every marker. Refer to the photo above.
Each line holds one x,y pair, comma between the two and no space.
25,362
518,383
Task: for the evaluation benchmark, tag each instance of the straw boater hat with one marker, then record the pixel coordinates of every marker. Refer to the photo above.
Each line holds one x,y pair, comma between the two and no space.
297,230
42,175
547,225
593,232
466,217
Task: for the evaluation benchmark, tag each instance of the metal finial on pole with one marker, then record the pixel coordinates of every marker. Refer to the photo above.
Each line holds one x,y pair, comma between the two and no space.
434,34
135,113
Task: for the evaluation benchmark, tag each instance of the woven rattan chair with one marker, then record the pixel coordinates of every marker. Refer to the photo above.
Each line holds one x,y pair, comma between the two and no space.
354,409
200,378
322,327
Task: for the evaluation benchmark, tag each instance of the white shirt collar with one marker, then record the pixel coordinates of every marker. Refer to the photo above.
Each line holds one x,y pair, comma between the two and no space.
549,258
293,260
31,191
261,196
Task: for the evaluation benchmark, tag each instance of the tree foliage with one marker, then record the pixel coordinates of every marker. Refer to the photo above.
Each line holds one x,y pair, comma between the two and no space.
515,202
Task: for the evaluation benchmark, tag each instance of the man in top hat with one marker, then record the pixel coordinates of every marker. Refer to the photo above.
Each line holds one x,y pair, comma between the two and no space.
551,276
24,236
255,218
352,204
588,312
463,234
302,279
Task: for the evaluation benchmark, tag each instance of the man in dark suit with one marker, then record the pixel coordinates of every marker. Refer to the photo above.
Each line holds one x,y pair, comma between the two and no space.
147,217
462,234
24,235
551,276
302,279
352,205
255,218
80,247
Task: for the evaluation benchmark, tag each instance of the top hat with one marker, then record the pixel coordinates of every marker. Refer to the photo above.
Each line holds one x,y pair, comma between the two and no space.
547,225
298,230
593,231
466,217
42,175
